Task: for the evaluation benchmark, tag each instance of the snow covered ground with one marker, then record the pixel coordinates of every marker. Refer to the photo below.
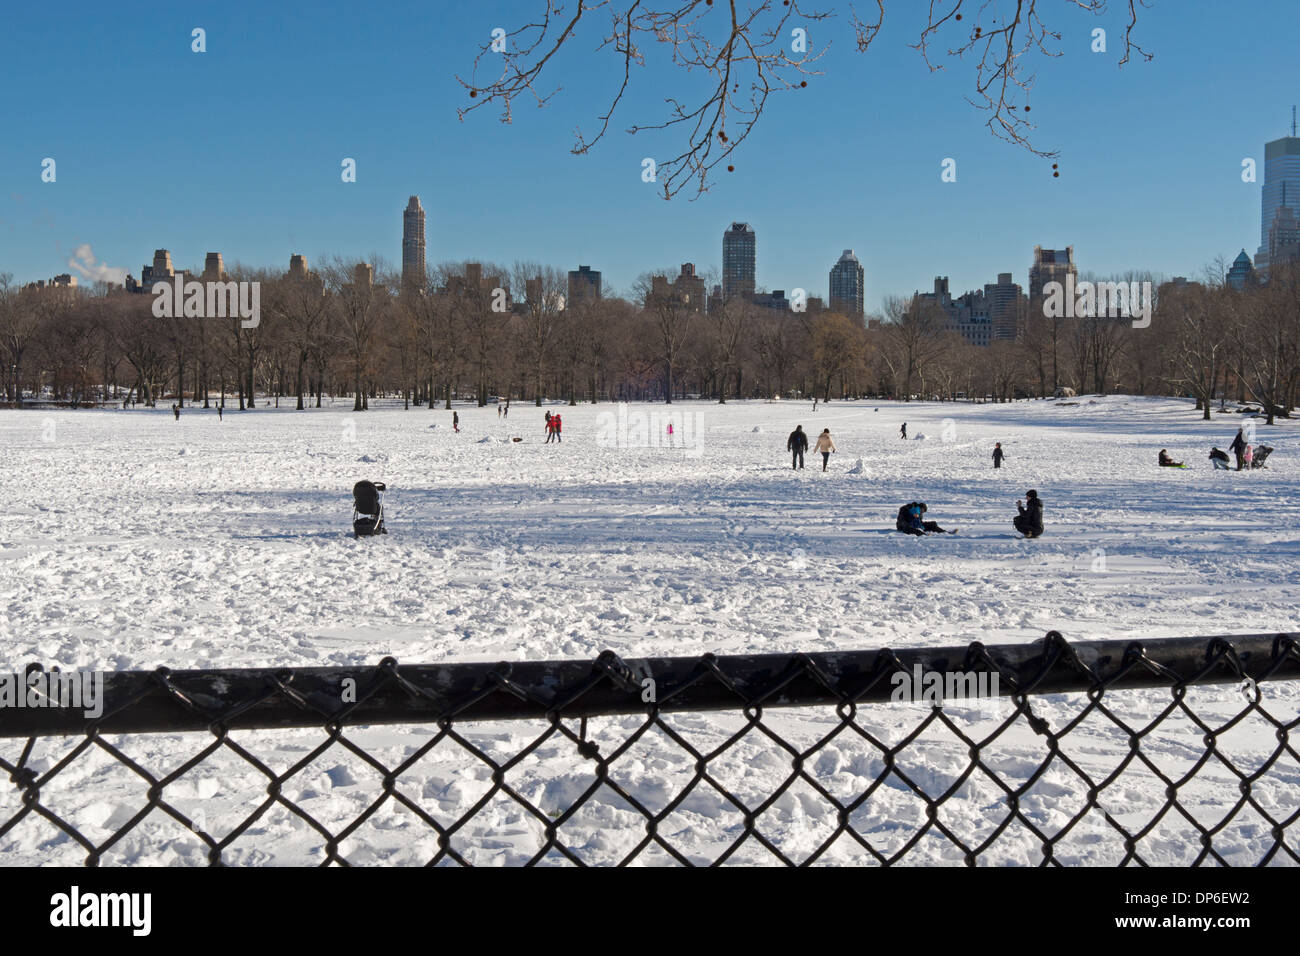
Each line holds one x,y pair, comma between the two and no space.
129,540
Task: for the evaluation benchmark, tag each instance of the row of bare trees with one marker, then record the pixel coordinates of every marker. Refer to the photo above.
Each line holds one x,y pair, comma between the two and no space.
489,331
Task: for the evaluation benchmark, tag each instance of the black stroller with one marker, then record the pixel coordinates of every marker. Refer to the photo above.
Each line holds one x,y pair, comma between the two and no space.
1258,455
368,508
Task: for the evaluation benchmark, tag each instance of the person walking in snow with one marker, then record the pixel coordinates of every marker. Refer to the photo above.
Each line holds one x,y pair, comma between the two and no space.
903,431
176,412
550,431
1238,448
1030,520
825,446
455,422
559,427
670,434
498,409
220,408
506,413
997,454
797,444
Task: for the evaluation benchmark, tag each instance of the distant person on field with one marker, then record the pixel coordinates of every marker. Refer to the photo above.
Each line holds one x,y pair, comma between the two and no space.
902,432
1249,456
797,444
825,446
670,434
1238,448
1030,520
219,410
997,454
455,422
559,427
176,412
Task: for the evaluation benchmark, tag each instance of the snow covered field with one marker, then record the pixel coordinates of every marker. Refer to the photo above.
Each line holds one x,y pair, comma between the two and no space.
130,540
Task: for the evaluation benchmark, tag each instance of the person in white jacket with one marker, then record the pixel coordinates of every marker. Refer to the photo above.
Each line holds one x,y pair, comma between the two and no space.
825,446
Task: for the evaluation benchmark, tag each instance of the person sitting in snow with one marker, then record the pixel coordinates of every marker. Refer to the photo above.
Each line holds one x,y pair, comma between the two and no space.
909,519
1166,461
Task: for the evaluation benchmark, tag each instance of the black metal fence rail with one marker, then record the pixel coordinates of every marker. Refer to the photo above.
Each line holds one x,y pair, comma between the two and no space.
169,701
565,695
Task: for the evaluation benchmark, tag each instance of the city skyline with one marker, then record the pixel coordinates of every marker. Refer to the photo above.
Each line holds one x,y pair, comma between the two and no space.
811,183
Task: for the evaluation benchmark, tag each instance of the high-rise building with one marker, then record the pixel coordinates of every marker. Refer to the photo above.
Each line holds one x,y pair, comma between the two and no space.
1005,300
1283,234
967,315
1050,265
1281,169
298,267
738,258
214,270
584,284
847,288
413,252
687,289
160,271
1242,275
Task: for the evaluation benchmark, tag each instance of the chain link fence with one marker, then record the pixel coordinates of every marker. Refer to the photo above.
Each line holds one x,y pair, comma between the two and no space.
1169,751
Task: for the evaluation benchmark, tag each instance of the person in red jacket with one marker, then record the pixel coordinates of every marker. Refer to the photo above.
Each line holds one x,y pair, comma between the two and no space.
559,427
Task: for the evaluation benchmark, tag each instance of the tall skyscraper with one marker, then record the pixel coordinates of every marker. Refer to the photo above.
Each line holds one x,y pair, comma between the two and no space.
413,261
584,284
847,285
1281,171
738,256
1050,265
1283,234
298,267
1004,303
214,270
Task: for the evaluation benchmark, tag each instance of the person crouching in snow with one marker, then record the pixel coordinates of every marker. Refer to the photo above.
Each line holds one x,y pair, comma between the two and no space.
1220,458
1030,520
825,446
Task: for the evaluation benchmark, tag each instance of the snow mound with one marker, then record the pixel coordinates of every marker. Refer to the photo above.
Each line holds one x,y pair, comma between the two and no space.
486,439
857,468
756,429
185,451
919,436
366,459
435,426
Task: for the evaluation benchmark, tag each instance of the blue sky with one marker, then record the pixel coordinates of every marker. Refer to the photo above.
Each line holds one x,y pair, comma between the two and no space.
238,150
